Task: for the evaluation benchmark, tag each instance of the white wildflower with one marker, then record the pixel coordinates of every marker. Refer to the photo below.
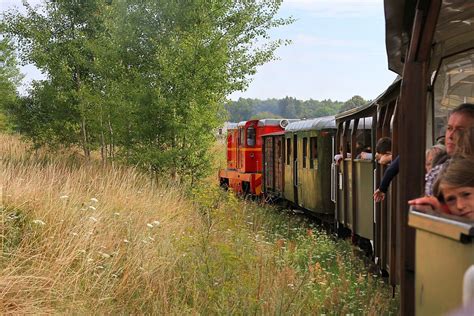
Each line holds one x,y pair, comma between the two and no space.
149,225
156,223
92,218
64,197
126,241
39,222
92,207
94,200
117,214
74,234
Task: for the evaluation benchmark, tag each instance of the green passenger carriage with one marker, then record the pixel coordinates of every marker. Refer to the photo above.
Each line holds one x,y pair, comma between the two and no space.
307,168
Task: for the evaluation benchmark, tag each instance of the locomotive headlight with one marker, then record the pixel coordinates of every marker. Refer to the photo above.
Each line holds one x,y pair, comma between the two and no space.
252,155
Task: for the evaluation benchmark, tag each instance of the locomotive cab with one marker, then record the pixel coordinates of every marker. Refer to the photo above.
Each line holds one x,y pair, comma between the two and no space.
244,155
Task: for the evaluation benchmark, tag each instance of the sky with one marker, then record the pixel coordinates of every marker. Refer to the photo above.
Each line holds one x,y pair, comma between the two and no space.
337,51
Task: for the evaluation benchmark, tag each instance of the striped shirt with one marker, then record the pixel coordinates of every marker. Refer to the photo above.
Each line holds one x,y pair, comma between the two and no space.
432,176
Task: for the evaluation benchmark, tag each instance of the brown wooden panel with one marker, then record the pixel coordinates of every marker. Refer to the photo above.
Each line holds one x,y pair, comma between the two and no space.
279,164
412,135
354,176
269,166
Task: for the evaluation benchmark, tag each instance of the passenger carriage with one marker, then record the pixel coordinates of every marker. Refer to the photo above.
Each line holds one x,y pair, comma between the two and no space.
430,43
373,225
308,152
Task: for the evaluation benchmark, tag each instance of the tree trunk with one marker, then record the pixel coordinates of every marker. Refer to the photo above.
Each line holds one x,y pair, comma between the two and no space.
111,140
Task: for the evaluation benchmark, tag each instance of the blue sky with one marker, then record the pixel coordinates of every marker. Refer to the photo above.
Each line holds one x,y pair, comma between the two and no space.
337,51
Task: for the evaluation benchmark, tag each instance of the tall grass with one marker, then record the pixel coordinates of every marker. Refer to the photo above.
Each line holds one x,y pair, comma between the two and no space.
78,237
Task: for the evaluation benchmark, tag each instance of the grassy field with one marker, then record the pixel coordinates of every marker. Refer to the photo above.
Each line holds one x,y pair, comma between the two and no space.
86,239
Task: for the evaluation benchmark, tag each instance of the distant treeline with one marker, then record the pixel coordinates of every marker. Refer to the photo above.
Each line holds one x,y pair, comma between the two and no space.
245,109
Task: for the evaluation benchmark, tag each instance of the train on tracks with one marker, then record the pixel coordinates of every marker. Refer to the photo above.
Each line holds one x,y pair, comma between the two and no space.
430,45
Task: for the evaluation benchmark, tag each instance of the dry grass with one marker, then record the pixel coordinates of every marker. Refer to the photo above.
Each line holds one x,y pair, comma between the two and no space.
80,238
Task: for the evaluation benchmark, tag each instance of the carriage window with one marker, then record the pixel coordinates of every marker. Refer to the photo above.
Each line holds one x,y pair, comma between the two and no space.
288,151
305,151
313,151
454,84
251,136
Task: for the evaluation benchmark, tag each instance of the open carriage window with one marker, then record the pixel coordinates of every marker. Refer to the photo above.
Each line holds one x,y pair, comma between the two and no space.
313,151
453,85
251,137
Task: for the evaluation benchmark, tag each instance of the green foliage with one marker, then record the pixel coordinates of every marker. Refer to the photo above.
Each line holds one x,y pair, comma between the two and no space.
143,81
252,258
14,226
265,115
245,109
354,102
10,78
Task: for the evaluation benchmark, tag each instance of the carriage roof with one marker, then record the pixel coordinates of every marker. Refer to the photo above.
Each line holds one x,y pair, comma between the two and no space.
320,123
269,122
230,125
453,31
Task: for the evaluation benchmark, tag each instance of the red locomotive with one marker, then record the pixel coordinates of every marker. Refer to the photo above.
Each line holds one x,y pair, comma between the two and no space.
244,155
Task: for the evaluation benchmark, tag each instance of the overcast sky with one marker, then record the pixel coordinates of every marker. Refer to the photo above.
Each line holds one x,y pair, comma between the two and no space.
337,51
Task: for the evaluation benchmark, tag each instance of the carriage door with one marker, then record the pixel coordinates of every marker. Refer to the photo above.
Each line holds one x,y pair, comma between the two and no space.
269,164
240,147
295,168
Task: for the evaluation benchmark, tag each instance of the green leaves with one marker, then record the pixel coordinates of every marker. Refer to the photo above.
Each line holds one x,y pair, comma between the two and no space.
10,78
145,79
